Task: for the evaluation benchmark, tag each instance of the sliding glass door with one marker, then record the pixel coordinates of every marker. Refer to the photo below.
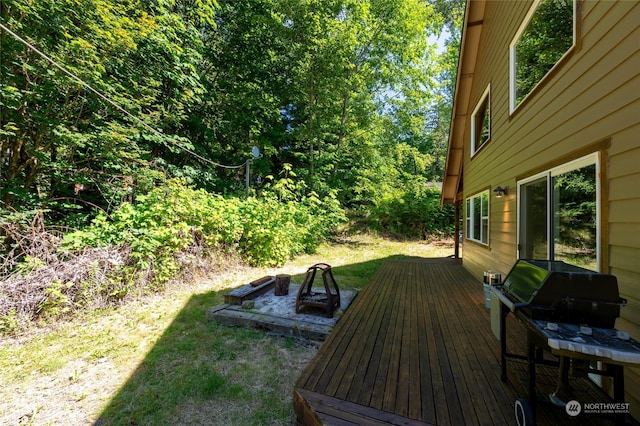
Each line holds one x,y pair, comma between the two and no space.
534,234
558,214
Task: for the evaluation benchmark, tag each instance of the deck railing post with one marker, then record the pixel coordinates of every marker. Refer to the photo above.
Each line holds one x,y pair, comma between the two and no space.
457,229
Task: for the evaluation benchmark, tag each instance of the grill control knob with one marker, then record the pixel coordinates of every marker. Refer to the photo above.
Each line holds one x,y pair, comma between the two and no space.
552,326
585,330
622,335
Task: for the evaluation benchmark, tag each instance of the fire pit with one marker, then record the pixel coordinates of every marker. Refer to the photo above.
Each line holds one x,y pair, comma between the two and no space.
328,298
277,314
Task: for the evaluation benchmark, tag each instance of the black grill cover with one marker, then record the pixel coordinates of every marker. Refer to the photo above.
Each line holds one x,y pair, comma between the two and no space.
557,291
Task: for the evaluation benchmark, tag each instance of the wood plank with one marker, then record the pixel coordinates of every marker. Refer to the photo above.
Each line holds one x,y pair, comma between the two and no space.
337,411
299,329
306,407
443,347
432,361
364,393
359,350
344,330
364,346
472,353
250,291
428,407
418,347
349,351
386,350
415,394
453,342
392,393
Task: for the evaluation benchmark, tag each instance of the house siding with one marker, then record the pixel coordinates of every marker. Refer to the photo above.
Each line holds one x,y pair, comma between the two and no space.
590,102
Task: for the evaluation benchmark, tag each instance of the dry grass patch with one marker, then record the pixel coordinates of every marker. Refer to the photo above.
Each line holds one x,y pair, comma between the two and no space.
157,361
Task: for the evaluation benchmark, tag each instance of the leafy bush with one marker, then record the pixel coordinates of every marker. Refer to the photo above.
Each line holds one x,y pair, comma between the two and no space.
412,211
275,231
143,245
286,221
167,221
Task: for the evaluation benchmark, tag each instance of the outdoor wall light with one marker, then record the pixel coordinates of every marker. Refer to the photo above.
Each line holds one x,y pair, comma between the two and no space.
500,192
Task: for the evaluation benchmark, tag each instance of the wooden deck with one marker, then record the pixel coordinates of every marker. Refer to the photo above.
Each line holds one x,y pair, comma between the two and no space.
416,347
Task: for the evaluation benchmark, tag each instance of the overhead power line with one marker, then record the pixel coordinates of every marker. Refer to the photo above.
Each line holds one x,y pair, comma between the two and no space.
112,102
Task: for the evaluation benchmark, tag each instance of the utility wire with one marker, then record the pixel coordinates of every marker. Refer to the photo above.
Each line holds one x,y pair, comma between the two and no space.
113,103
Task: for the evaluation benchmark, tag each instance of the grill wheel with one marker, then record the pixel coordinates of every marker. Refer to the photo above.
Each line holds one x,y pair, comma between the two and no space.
524,413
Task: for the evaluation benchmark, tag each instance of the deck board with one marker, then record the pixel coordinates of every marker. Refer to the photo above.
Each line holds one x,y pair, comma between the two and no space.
352,382
361,392
416,347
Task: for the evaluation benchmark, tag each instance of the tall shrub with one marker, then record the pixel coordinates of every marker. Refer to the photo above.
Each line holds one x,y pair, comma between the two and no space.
412,211
165,222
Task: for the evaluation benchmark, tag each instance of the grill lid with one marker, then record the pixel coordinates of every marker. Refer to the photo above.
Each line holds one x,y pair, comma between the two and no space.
543,282
565,292
524,280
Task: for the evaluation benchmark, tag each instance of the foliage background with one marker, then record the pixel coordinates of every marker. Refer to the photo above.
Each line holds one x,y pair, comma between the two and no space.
350,93
349,102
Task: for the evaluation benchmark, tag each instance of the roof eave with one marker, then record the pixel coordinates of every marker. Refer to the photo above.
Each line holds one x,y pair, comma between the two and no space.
471,31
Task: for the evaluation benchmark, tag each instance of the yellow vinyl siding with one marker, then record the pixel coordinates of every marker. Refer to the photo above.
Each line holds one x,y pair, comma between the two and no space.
625,234
625,211
631,317
591,97
559,115
592,100
632,381
625,152
500,23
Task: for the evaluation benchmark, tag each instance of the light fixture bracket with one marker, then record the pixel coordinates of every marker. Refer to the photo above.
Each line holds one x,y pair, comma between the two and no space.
500,191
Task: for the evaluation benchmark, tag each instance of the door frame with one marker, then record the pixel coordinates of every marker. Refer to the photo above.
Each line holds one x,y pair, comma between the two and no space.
587,160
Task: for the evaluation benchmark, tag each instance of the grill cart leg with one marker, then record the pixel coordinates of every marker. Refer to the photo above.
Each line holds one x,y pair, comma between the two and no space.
531,360
618,389
503,341
563,381
618,382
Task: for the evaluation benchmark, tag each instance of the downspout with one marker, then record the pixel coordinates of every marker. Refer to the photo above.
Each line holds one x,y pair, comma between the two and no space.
456,236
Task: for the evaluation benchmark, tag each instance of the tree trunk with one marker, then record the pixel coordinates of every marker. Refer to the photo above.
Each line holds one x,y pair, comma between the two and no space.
341,135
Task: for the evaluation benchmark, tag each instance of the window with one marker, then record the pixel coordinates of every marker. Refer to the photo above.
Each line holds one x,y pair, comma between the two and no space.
546,35
477,217
481,121
558,214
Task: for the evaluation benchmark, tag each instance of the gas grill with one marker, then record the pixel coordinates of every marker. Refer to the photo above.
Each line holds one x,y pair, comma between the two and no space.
571,313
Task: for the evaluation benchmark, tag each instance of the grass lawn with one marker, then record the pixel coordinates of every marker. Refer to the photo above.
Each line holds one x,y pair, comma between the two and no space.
157,361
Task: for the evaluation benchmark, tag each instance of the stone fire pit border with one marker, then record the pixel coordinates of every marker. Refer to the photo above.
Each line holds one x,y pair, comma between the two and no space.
276,314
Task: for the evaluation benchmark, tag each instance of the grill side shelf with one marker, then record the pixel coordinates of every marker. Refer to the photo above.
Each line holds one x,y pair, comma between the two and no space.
602,343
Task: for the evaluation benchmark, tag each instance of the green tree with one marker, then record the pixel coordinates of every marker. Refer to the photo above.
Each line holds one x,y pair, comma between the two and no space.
244,66
351,93
347,54
63,146
547,37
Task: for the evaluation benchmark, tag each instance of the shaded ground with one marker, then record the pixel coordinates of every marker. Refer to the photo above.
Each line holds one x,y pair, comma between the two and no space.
157,361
